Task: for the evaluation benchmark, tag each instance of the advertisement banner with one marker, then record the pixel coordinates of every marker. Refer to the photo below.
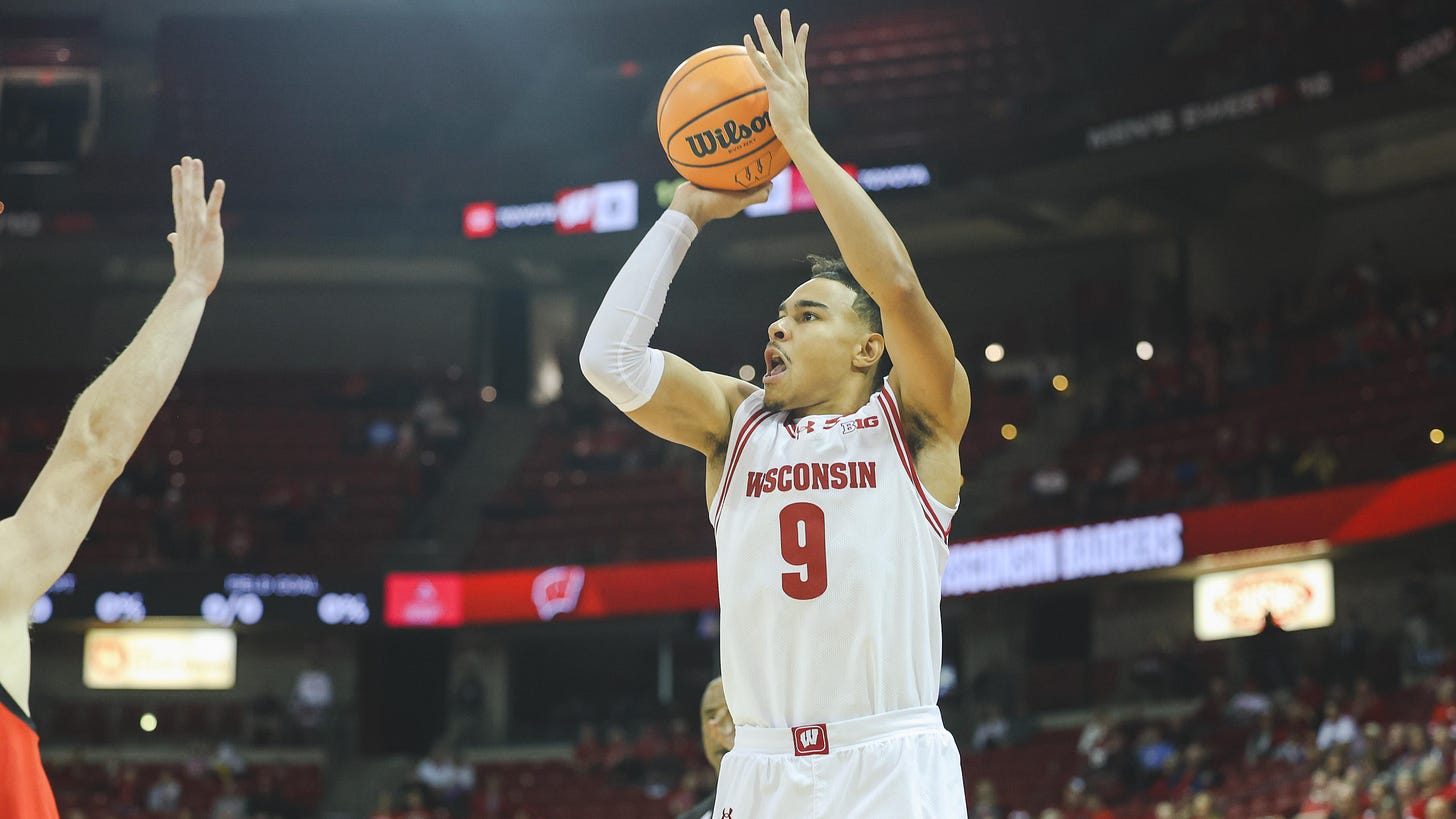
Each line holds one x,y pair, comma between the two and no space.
1234,604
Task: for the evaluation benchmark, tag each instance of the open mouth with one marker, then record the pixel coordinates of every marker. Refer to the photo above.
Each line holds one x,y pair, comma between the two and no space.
774,364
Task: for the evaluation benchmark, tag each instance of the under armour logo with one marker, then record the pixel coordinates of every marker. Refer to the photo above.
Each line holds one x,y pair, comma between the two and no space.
810,740
727,814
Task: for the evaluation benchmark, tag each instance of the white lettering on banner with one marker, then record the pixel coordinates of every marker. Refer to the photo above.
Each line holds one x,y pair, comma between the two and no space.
1143,128
895,177
535,214
343,609
20,223
1316,86
1423,52
272,585
614,206
1002,563
1241,105
1121,546
1066,554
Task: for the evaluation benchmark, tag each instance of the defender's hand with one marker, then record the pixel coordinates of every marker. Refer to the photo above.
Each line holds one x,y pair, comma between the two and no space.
197,243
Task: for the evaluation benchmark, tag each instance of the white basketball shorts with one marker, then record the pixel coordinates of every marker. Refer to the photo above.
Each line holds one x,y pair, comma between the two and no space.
899,765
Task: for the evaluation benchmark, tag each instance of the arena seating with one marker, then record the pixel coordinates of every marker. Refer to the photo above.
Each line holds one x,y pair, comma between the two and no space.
283,458
98,790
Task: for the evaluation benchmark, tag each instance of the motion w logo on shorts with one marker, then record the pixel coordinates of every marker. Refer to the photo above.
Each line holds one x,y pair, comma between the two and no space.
810,740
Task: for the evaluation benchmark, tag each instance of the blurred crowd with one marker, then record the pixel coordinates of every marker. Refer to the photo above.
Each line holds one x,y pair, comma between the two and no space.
1362,324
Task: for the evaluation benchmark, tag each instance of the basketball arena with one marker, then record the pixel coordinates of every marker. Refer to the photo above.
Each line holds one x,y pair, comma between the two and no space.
1052,414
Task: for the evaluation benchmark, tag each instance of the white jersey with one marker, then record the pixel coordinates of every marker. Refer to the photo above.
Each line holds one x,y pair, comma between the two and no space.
830,556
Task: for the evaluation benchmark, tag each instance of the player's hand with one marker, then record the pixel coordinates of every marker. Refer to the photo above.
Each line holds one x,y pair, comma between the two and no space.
784,76
197,242
703,205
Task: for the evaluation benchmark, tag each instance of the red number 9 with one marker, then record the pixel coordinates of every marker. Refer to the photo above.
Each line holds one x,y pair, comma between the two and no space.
801,530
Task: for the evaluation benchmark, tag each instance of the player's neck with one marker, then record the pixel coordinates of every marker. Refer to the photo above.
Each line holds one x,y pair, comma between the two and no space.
846,401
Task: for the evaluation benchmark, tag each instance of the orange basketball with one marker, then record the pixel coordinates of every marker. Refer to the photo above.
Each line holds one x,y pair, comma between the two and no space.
712,120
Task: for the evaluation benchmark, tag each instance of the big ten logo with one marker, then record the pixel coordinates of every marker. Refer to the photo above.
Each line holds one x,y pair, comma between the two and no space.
849,425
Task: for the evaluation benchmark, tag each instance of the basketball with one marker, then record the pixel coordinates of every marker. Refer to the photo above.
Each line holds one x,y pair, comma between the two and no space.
712,120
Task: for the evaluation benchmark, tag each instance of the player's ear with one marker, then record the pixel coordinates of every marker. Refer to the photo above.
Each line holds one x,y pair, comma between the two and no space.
871,347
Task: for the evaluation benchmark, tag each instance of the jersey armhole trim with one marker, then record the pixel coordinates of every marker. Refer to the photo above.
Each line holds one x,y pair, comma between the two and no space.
902,448
744,433
9,704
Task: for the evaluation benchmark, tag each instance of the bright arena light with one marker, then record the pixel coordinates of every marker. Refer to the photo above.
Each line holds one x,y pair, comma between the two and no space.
1145,350
995,352
488,394
149,722
1438,436
747,372
1008,431
1060,383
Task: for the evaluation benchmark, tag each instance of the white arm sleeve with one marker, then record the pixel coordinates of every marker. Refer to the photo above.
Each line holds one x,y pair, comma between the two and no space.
615,357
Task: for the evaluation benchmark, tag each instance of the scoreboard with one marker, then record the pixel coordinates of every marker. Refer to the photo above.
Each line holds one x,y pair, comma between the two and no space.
218,598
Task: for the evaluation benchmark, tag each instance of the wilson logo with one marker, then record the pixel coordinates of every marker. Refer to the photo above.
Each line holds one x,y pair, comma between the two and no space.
707,143
810,740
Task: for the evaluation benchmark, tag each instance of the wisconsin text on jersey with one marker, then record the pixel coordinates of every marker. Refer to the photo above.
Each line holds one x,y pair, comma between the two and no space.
801,477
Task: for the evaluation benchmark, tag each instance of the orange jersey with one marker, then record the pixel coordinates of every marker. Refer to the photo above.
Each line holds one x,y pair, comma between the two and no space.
24,789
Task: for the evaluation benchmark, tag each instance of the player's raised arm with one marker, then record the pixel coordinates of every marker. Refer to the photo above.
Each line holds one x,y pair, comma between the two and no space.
111,416
926,375
661,392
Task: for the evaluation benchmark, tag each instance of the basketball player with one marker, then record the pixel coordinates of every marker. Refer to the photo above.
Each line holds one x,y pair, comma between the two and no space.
104,429
717,725
831,490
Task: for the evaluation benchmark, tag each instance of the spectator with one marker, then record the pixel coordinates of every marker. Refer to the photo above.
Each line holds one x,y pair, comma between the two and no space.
1444,714
313,698
1317,465
437,773
164,794
227,763
384,806
985,805
1096,741
991,732
1337,729
268,800
229,804
414,805
589,754
1152,753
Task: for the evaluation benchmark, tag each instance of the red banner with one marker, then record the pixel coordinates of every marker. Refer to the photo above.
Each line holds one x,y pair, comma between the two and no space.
1342,516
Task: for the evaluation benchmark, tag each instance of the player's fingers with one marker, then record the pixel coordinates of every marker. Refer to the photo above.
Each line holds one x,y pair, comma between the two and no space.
172,239
759,63
766,42
177,193
786,34
801,42
214,202
761,194
189,193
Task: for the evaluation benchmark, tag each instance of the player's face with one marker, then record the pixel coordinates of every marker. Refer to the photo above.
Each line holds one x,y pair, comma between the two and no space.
717,722
812,346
